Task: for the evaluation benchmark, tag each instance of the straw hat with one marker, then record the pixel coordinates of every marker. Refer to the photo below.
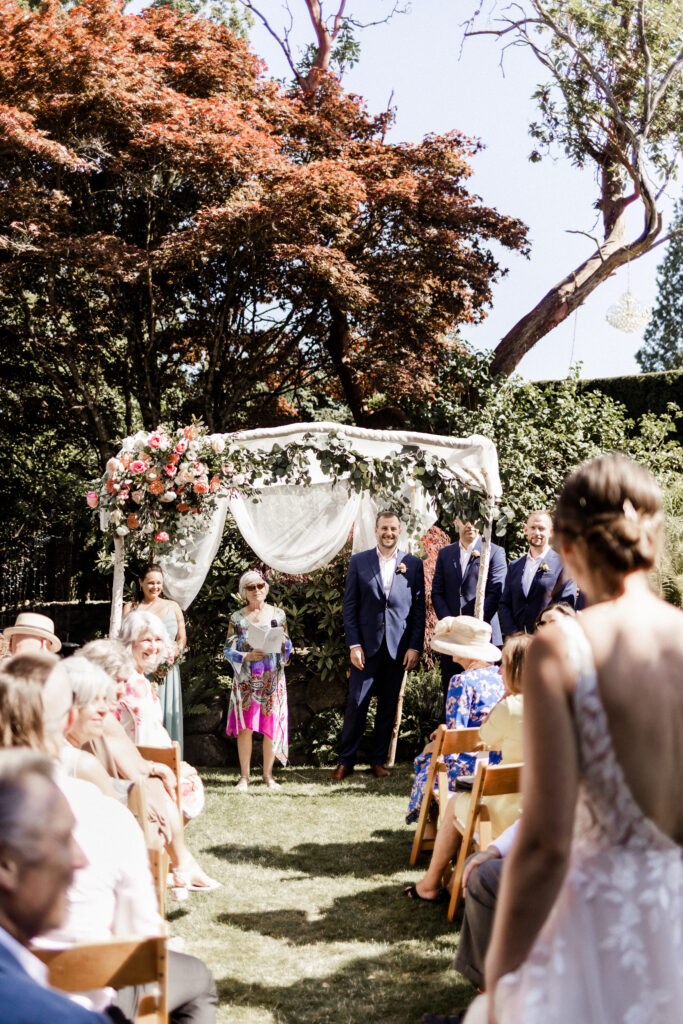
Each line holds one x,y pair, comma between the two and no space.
40,626
464,637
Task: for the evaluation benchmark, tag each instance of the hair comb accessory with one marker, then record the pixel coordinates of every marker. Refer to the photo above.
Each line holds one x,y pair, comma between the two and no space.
629,511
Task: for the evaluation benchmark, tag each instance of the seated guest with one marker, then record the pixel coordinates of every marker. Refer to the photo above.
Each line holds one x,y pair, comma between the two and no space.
139,711
114,893
471,695
480,884
38,859
95,728
32,632
554,611
534,580
505,732
502,731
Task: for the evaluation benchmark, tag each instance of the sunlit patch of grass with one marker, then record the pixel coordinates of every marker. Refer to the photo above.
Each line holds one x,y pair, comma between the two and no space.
311,925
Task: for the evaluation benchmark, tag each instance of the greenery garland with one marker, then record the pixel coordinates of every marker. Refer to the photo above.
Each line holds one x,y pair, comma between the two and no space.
162,486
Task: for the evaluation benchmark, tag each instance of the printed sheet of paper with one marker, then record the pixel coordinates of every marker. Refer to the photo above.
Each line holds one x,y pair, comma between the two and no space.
265,638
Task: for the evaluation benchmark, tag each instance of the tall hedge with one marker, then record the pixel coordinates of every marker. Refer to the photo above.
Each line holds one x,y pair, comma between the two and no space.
642,393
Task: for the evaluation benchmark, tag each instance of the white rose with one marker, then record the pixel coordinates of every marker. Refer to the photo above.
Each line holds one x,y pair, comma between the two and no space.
113,466
169,496
122,531
147,528
217,443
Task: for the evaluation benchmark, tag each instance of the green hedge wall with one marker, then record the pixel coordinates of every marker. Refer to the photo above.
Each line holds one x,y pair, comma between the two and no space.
643,392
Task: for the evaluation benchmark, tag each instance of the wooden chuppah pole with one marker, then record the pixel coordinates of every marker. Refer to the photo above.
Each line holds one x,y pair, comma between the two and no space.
117,587
484,561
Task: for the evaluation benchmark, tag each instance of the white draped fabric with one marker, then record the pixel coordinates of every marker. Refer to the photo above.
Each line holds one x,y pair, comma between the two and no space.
299,529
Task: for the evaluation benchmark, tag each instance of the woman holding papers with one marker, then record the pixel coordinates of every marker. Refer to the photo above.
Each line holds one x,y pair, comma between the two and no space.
258,649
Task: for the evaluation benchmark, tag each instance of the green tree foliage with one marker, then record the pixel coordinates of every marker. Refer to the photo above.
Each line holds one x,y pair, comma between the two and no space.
612,101
663,348
180,238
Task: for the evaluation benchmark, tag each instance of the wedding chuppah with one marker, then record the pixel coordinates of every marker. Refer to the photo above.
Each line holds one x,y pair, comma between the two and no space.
295,493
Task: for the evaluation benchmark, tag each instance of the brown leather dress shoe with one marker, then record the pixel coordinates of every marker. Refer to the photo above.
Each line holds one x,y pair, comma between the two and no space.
340,772
378,771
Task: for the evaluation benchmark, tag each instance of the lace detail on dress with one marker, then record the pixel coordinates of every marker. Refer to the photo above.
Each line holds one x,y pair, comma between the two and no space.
607,813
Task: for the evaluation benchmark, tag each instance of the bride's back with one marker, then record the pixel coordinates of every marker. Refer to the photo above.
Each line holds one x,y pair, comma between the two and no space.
637,644
608,522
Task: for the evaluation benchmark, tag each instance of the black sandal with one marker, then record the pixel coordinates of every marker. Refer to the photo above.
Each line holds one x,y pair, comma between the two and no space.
411,892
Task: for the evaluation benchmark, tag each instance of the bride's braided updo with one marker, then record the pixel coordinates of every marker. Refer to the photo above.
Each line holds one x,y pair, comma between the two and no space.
614,505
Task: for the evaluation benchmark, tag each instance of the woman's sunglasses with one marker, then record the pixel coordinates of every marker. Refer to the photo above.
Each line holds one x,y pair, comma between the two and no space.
254,586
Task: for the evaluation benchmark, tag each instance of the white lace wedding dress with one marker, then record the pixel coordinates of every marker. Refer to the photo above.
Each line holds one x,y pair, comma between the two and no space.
611,950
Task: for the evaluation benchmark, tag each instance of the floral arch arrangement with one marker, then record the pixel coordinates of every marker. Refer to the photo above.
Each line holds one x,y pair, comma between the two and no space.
163,494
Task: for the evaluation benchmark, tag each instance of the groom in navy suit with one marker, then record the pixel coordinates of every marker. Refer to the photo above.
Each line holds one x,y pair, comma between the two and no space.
454,585
534,580
384,623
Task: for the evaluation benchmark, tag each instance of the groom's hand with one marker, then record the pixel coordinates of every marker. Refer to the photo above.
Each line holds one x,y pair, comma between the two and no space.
357,657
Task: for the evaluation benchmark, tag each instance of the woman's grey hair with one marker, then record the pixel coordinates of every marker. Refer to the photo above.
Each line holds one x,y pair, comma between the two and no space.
110,655
20,831
138,622
250,576
88,681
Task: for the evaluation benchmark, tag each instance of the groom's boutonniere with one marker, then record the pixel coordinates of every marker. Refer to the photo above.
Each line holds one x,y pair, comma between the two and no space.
475,554
544,567
401,569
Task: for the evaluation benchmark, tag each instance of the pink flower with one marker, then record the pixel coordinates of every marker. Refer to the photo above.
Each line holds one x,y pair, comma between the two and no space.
156,487
161,537
200,487
92,499
138,466
180,447
190,433
154,440
170,469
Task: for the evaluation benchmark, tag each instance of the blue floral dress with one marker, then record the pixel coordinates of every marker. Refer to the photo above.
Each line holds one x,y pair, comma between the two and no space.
471,696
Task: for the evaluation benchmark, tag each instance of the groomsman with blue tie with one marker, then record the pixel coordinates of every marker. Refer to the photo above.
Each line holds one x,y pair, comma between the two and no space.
534,580
454,585
384,623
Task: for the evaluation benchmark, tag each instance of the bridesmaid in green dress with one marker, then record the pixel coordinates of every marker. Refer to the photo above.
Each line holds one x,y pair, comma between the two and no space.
151,583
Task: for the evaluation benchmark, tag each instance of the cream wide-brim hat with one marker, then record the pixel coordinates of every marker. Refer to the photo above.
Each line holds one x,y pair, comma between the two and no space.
463,636
33,624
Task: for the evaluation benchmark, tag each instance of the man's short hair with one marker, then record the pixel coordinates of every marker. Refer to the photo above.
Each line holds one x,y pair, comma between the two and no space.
386,514
540,512
17,830
36,666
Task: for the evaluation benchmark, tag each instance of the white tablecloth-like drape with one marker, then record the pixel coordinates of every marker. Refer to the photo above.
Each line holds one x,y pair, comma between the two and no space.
299,529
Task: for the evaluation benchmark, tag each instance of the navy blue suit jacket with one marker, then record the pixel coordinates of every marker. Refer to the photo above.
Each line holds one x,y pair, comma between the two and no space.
519,613
369,616
454,594
24,1001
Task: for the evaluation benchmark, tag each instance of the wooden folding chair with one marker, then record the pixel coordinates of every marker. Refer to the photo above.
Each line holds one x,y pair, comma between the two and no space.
476,829
117,963
158,858
169,756
447,741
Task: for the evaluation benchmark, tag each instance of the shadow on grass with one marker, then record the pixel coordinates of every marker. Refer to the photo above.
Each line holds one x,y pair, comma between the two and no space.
394,987
386,856
383,914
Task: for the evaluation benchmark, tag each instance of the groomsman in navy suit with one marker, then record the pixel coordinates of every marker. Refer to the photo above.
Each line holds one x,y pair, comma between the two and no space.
534,580
454,586
384,623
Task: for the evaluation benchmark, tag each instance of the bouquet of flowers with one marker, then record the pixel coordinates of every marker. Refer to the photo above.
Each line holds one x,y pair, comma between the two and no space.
159,485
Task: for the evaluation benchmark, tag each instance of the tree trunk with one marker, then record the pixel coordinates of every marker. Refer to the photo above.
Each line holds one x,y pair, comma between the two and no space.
570,293
338,346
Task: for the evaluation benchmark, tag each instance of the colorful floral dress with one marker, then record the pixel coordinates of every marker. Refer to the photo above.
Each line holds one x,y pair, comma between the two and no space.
258,699
471,695
140,714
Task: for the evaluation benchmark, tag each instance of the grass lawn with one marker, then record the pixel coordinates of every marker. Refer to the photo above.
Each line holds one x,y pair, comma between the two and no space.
311,925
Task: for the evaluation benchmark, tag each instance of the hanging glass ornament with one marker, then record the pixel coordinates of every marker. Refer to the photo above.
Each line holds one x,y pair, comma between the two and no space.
629,314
